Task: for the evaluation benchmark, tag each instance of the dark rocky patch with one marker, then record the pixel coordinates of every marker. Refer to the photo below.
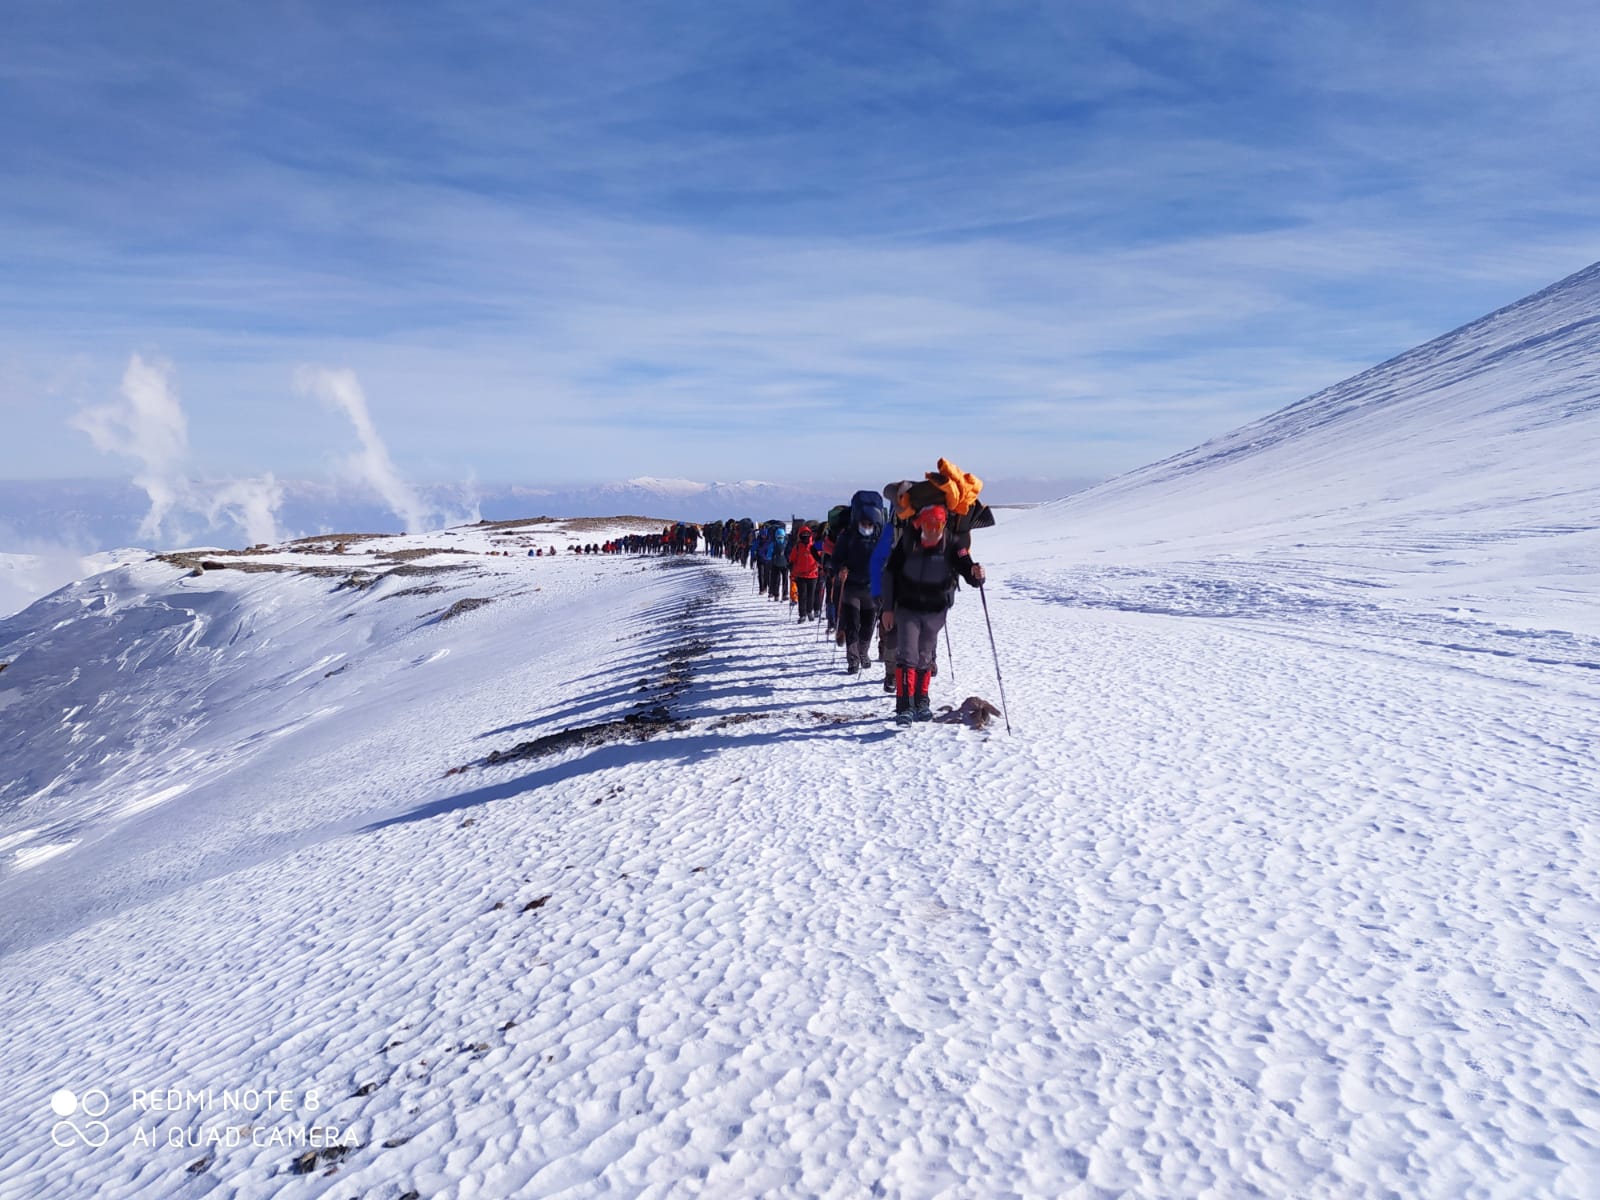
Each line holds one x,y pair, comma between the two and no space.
198,564
329,539
636,524
636,726
465,605
309,1161
738,719
420,569
516,524
399,556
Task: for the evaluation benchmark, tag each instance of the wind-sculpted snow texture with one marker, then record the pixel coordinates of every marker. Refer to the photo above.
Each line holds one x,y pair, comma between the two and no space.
1234,908
1285,883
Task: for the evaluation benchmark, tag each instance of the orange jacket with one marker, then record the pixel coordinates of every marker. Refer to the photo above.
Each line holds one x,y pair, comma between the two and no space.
802,562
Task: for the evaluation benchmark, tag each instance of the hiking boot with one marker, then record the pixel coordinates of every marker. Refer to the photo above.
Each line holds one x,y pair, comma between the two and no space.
922,709
902,716
888,681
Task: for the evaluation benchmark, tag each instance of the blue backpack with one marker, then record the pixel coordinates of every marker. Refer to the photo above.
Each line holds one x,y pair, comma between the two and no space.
867,505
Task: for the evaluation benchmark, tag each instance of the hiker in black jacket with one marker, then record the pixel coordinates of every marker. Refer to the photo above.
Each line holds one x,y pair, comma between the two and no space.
919,583
852,557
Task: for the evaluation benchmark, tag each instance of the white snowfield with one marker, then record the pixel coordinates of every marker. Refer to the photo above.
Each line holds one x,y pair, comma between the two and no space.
1285,882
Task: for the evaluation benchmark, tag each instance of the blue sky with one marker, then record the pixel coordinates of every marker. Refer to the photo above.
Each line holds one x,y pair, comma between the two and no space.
592,240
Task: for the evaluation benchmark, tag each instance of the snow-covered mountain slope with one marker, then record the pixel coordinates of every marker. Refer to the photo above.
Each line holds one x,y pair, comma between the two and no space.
598,876
24,577
1495,427
136,686
1458,478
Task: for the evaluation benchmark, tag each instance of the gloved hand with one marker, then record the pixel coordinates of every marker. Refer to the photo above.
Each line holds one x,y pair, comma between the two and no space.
887,620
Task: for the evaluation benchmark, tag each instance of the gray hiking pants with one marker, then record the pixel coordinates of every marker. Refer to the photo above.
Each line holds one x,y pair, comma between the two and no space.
916,638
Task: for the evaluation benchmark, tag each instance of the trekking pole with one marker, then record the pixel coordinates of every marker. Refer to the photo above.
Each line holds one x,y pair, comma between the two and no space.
949,654
1005,709
837,636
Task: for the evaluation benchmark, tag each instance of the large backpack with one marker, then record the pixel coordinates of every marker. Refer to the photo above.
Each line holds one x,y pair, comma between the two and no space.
925,492
838,517
867,505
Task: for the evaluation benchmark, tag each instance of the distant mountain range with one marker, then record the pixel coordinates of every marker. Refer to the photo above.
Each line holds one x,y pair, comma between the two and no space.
97,514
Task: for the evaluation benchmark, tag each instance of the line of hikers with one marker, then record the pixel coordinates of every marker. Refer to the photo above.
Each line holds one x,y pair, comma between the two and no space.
888,562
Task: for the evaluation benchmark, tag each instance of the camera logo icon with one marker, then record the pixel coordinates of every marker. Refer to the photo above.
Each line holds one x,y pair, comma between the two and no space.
67,1104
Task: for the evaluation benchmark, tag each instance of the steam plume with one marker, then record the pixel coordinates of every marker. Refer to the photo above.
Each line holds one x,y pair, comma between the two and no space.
372,465
148,425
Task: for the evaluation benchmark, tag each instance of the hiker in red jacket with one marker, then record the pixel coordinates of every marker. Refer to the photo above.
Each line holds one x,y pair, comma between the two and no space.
805,569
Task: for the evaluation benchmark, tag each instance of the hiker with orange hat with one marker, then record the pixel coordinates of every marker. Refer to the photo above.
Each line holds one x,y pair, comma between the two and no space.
919,583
